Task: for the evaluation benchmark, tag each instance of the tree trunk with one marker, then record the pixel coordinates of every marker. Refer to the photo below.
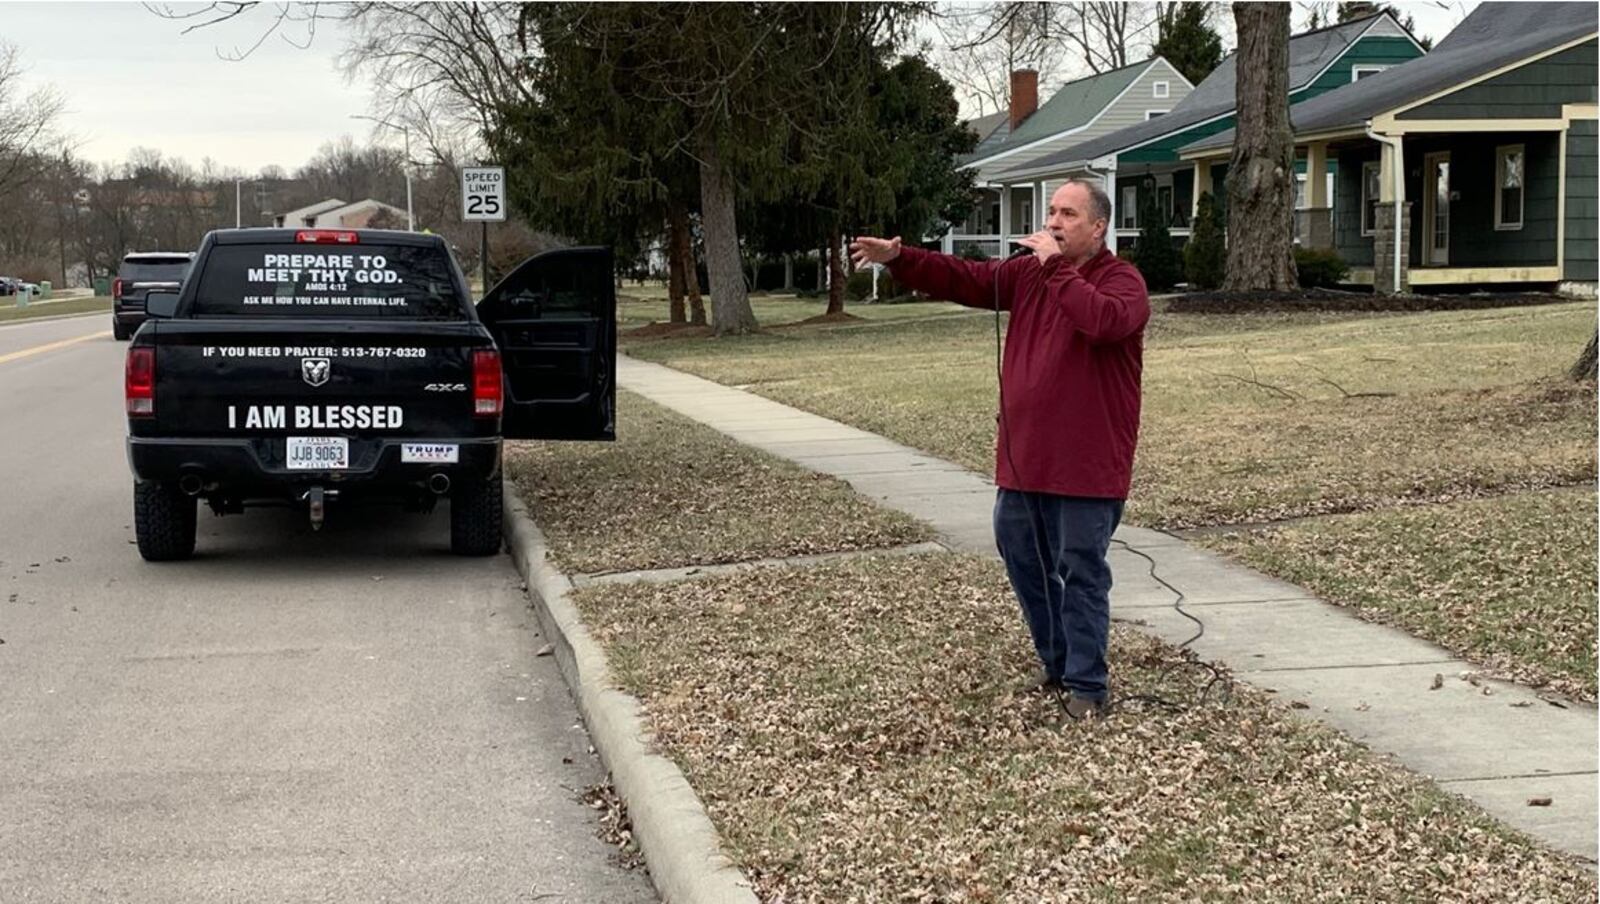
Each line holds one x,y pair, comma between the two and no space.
1261,172
835,274
788,273
730,303
677,240
1584,367
697,304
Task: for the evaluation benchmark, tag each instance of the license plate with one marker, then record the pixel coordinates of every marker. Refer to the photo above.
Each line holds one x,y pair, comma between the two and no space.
430,453
318,453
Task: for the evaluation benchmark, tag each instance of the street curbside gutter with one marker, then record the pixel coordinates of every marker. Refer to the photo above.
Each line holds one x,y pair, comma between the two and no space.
675,834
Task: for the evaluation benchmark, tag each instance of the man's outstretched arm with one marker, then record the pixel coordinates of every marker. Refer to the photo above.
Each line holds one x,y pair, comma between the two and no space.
942,276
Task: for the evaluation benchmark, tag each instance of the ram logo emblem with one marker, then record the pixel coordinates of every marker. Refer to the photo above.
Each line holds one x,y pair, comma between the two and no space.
314,370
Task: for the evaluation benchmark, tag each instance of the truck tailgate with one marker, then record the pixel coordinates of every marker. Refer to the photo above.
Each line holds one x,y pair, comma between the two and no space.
376,379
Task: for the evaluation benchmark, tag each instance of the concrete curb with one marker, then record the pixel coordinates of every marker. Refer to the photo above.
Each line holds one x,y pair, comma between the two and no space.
676,836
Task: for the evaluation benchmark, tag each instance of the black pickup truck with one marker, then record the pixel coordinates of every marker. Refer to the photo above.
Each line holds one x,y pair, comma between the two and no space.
312,367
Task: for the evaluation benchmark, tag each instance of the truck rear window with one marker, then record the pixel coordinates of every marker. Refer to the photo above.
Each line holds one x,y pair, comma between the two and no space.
153,271
378,281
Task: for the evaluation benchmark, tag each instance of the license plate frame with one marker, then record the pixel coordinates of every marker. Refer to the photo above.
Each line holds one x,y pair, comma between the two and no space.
316,453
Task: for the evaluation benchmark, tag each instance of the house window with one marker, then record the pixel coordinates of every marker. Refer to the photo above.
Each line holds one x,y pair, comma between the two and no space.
1128,217
1357,73
1371,190
1510,172
994,217
1152,114
1162,89
1299,191
1027,217
1164,202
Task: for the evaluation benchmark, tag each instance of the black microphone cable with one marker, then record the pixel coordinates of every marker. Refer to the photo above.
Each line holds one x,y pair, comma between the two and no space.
1058,618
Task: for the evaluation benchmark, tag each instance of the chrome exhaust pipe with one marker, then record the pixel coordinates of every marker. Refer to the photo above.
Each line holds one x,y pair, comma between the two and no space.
190,484
439,484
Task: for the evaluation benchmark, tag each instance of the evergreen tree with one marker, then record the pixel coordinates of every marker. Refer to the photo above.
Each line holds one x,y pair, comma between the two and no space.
1157,260
1187,40
1204,258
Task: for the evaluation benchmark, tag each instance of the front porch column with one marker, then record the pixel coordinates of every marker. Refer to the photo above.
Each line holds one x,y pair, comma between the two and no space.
948,243
1005,220
1318,229
1041,206
1202,186
1384,259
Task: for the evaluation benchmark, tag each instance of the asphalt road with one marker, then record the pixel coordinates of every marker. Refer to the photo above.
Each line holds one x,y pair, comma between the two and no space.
354,715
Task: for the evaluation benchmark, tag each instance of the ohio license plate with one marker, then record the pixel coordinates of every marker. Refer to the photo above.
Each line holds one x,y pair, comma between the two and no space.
318,453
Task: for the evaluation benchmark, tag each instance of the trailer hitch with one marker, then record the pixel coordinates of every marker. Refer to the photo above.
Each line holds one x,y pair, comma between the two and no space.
315,500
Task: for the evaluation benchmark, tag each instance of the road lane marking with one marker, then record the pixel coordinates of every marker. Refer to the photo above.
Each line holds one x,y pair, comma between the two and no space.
49,346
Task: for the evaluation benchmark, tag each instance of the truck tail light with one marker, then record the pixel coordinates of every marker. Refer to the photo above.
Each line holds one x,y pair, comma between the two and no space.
487,392
328,237
116,289
139,382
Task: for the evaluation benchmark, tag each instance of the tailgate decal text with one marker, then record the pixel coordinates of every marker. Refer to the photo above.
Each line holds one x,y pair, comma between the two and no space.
317,417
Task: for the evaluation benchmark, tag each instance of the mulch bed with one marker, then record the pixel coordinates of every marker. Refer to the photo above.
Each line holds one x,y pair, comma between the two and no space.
653,330
1328,300
839,317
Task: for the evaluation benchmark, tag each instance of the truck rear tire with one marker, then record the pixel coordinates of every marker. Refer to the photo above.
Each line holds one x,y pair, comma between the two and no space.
163,521
475,518
119,332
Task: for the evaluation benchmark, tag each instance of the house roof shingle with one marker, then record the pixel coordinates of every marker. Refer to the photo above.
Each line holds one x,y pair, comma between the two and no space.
1309,54
1074,104
1492,36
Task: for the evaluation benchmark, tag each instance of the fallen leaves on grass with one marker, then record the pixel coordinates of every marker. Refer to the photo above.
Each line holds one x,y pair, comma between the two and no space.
671,492
857,735
1507,582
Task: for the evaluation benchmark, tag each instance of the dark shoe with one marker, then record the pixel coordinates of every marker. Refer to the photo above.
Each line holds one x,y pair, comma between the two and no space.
1083,708
1039,681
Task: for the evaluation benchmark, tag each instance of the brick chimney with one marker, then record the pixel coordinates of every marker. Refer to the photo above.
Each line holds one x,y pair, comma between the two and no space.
1024,95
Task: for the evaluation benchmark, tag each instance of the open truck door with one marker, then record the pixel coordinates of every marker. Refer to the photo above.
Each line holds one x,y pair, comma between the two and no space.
555,321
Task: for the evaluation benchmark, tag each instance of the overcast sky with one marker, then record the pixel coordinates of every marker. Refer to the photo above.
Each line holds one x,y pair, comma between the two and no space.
132,79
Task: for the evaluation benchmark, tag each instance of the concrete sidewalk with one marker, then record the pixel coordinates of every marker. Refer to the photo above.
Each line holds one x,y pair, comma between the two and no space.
1498,749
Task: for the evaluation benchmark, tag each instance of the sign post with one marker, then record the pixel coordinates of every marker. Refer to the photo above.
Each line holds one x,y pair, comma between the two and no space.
483,198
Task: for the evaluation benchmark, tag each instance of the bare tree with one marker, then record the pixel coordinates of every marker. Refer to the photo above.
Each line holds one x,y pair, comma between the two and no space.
979,46
1108,36
440,69
28,138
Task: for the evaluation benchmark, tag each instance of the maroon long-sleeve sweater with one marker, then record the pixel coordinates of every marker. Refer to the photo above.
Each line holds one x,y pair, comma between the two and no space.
1073,355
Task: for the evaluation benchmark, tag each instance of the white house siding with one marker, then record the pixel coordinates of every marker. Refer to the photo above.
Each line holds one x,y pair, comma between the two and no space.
1385,28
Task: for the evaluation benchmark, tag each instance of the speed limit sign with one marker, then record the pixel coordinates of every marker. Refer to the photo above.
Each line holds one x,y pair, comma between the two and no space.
483,193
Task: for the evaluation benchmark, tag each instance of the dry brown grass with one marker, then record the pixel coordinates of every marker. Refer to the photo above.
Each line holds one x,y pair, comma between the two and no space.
855,734
671,492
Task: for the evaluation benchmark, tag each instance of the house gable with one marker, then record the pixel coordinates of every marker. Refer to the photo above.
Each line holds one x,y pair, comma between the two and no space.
1532,91
1369,51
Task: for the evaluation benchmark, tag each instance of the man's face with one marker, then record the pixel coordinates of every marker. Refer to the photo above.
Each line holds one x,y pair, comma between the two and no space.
1073,224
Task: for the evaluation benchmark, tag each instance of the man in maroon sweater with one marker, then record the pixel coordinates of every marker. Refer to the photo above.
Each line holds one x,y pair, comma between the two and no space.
1069,419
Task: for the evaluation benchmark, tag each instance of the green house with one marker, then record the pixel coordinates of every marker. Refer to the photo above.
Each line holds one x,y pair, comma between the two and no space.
1483,152
1142,158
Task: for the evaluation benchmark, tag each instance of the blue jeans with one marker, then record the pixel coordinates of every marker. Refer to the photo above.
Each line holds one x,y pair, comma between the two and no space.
1071,620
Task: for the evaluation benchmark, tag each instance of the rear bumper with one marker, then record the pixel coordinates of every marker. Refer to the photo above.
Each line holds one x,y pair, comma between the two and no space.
129,317
255,467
